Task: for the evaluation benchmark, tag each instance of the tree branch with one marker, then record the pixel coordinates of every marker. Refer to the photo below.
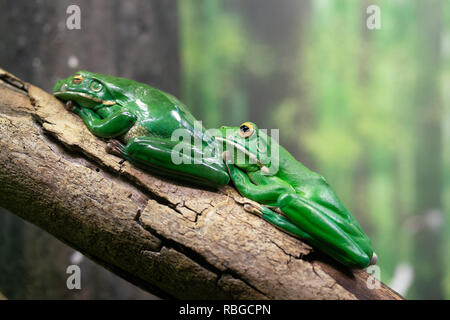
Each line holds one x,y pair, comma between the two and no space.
172,240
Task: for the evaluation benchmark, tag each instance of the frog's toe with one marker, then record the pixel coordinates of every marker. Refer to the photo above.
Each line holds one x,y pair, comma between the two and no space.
69,105
114,147
374,259
226,157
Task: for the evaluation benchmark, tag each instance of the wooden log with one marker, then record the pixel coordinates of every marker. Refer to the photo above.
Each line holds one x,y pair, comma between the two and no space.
173,240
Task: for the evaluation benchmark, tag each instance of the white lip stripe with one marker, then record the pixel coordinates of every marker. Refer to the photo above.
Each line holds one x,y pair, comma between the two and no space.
88,96
81,94
240,148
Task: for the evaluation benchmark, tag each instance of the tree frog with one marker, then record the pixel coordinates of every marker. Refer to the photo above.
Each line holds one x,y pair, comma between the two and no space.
141,119
301,200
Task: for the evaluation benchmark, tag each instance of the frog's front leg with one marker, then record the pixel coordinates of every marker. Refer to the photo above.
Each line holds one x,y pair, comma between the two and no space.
265,194
156,155
332,234
112,126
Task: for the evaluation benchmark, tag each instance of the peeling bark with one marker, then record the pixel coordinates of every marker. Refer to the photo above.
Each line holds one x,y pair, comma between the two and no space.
173,240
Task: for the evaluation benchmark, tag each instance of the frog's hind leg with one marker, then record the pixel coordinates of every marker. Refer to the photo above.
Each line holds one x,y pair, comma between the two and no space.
331,233
286,225
157,155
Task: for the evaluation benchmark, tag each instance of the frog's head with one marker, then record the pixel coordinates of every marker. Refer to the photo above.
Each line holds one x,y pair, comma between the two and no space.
87,89
249,147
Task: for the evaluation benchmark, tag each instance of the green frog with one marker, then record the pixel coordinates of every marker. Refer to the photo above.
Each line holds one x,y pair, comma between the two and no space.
140,121
302,202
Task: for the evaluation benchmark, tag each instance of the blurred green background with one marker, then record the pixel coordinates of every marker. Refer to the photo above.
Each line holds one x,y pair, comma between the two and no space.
368,109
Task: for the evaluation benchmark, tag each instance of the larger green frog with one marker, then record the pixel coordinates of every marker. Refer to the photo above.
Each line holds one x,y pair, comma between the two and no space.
142,120
308,208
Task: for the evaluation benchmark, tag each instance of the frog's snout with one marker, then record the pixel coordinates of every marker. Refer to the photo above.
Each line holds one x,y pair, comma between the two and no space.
60,86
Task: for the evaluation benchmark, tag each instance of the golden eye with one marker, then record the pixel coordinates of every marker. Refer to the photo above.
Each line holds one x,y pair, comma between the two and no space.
96,86
77,79
246,130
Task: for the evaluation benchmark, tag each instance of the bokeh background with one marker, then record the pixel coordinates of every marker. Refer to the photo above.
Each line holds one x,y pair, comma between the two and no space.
368,109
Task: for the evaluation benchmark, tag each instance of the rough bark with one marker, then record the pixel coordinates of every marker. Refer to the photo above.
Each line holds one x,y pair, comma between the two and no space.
172,240
134,39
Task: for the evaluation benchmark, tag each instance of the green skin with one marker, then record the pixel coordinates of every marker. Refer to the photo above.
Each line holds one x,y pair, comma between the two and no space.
309,208
143,118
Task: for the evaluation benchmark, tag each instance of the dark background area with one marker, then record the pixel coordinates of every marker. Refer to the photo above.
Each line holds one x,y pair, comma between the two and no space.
134,39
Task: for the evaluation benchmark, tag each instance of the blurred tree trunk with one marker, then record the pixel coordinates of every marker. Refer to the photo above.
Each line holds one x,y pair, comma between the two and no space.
428,240
134,39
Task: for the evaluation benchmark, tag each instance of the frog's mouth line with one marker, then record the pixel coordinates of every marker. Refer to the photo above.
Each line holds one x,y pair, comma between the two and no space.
241,149
87,96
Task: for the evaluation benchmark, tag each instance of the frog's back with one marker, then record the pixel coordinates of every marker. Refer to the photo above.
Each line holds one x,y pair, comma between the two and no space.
153,108
154,105
156,99
128,90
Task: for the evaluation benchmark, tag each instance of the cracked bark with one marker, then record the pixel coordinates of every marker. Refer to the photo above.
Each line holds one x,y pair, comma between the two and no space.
173,240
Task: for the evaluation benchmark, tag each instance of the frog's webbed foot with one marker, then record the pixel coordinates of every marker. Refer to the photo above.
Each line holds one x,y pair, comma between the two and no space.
228,161
69,105
253,207
249,205
258,209
226,156
115,147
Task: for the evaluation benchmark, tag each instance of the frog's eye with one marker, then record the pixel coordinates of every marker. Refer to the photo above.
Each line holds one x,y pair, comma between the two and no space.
246,130
96,86
77,79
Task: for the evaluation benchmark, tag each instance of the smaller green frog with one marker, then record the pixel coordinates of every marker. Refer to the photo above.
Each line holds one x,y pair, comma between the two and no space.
142,121
265,172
